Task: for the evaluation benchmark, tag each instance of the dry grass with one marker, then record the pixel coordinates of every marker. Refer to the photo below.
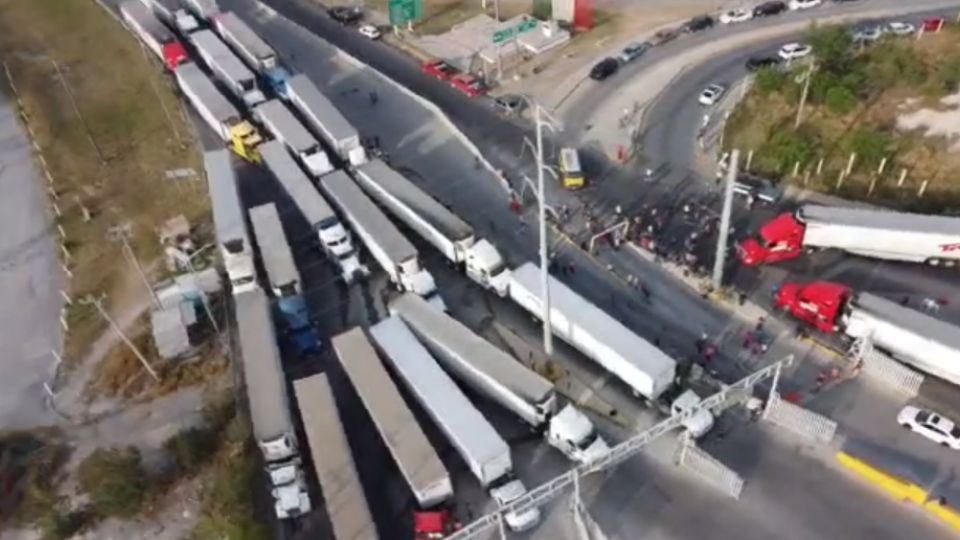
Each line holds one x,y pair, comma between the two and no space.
759,116
120,175
440,15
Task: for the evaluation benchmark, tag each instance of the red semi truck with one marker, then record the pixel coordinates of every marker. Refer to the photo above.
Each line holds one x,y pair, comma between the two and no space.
912,337
880,234
142,22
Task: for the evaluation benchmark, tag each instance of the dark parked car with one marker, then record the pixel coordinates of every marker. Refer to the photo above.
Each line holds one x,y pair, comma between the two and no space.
604,69
697,24
757,188
345,14
769,8
759,62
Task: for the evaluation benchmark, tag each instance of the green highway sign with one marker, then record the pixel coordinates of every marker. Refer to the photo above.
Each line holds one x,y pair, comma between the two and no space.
509,33
405,11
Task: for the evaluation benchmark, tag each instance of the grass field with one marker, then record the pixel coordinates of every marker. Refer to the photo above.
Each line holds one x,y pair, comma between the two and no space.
109,126
856,110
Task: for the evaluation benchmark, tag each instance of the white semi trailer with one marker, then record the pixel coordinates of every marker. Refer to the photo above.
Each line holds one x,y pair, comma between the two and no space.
643,367
173,14
395,254
269,405
228,221
453,237
343,497
880,234
148,28
228,69
415,457
334,238
326,119
481,447
280,122
500,377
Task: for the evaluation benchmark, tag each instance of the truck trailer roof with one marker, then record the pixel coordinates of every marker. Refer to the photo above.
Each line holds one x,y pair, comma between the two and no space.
415,457
144,17
225,198
324,111
336,470
352,201
915,321
601,327
481,354
221,55
247,38
418,200
197,83
285,126
880,219
436,392
274,249
304,194
262,370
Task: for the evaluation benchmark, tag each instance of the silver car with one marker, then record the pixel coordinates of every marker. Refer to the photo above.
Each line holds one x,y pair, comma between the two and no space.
633,51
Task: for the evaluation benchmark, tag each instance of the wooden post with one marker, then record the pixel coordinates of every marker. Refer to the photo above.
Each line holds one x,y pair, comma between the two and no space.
923,188
796,169
873,184
749,160
840,178
850,162
903,176
819,166
883,165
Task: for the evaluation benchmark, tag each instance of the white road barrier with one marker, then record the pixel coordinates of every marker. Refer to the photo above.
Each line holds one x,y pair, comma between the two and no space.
709,468
880,367
805,423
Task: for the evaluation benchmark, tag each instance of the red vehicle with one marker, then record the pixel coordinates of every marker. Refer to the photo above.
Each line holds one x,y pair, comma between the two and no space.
434,525
934,24
819,304
469,85
439,69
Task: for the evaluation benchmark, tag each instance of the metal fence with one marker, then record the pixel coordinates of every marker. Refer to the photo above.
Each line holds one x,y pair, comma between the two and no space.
884,369
803,422
709,468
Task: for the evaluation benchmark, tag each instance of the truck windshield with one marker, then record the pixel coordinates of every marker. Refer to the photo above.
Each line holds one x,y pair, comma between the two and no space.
346,255
585,443
248,85
498,269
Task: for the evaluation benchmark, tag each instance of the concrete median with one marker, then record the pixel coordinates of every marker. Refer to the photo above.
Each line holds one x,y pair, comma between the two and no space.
895,487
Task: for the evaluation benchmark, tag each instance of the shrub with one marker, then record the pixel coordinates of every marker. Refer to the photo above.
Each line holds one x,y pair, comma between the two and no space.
840,100
833,47
869,144
950,75
787,147
769,80
114,480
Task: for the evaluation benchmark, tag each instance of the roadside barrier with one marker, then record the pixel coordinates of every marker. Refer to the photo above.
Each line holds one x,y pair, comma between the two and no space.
885,369
805,423
709,468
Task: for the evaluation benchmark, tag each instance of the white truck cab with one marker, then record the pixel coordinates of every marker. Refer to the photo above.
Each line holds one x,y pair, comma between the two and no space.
357,156
316,160
486,266
291,499
508,492
571,432
698,424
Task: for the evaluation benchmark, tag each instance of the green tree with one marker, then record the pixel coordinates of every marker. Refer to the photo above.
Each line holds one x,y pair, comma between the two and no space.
769,80
840,100
833,47
870,145
892,62
114,480
787,147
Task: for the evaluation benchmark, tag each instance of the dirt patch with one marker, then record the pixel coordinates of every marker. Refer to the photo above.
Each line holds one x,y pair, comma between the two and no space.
943,122
109,126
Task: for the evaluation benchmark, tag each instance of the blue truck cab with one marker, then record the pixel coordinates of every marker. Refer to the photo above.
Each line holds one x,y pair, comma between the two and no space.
298,327
276,78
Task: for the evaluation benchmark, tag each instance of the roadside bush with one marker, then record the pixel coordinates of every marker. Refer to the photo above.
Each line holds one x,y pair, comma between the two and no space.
949,75
769,80
227,505
787,147
840,100
192,448
870,145
115,481
833,47
893,62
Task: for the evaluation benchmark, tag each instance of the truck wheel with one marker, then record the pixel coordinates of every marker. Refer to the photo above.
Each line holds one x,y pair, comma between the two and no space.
933,262
906,426
949,263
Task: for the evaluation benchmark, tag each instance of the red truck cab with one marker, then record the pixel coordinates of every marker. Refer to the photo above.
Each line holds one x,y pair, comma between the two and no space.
780,239
820,303
434,525
174,54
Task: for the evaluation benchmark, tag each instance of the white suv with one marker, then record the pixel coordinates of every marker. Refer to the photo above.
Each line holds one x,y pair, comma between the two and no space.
792,51
804,4
931,425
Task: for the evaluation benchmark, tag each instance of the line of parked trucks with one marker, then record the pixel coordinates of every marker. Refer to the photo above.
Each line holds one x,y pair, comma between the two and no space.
418,338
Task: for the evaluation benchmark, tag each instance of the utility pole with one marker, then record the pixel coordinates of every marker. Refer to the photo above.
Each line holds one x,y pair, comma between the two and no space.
803,96
98,303
544,269
720,258
122,234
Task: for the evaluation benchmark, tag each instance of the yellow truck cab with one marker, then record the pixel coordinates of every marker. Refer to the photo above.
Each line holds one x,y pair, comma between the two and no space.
244,140
570,170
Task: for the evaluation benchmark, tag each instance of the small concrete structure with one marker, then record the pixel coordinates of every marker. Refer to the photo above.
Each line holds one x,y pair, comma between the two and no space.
170,329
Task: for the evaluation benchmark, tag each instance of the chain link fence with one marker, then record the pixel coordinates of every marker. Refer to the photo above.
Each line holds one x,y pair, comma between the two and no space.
708,468
805,423
884,369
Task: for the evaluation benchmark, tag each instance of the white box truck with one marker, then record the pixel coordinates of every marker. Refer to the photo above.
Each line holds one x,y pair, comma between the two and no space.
157,37
284,127
228,221
336,470
203,9
173,14
218,112
415,457
334,238
227,68
880,234
326,119
644,368
269,405
478,258
481,447
500,377
396,255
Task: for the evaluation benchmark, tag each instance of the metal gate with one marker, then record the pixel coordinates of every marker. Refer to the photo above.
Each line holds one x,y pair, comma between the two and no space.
709,468
805,423
882,368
